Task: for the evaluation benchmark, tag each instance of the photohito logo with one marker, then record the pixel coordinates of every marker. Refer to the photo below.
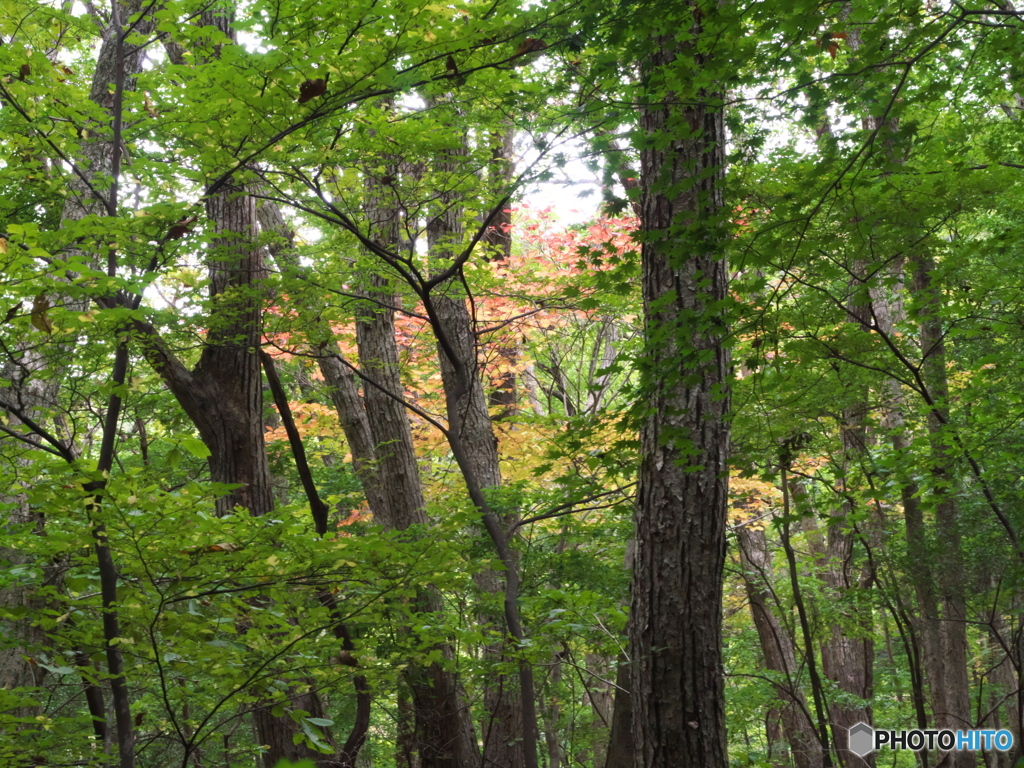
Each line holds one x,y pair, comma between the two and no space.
864,739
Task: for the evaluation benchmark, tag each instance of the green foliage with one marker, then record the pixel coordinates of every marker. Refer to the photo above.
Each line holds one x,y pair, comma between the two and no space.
864,139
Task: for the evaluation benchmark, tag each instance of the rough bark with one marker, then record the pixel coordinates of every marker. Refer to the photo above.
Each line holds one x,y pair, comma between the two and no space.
342,381
676,616
223,394
344,392
229,412
444,736
463,384
227,408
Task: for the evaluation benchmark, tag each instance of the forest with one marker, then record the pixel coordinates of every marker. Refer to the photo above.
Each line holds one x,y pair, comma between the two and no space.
324,444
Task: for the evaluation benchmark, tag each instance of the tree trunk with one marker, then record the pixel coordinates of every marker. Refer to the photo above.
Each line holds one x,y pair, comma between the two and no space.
957,712
847,657
223,394
888,312
676,616
35,371
497,245
444,732
778,649
462,382
379,436
620,737
230,416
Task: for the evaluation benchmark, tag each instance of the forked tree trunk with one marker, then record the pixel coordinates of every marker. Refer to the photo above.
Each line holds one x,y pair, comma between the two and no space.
223,397
223,394
462,382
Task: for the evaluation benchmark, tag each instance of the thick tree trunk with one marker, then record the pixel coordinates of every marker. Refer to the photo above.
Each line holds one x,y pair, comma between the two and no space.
676,616
502,724
223,395
230,415
380,438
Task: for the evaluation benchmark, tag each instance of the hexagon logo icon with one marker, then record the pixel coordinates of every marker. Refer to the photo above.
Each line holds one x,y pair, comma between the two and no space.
862,739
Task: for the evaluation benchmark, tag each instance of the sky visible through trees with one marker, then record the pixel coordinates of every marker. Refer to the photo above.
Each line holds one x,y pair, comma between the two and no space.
467,384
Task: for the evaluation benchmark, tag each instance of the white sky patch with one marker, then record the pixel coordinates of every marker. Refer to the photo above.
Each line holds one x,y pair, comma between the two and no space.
573,191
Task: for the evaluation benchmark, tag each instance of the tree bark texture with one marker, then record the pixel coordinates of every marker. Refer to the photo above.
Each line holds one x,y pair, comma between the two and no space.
342,381
676,618
231,421
461,378
379,436
223,394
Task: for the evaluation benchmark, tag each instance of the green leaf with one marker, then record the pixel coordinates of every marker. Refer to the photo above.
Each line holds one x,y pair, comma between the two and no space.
195,446
323,722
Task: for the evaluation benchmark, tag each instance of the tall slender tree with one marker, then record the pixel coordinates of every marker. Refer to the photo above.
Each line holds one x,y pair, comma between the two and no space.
675,620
